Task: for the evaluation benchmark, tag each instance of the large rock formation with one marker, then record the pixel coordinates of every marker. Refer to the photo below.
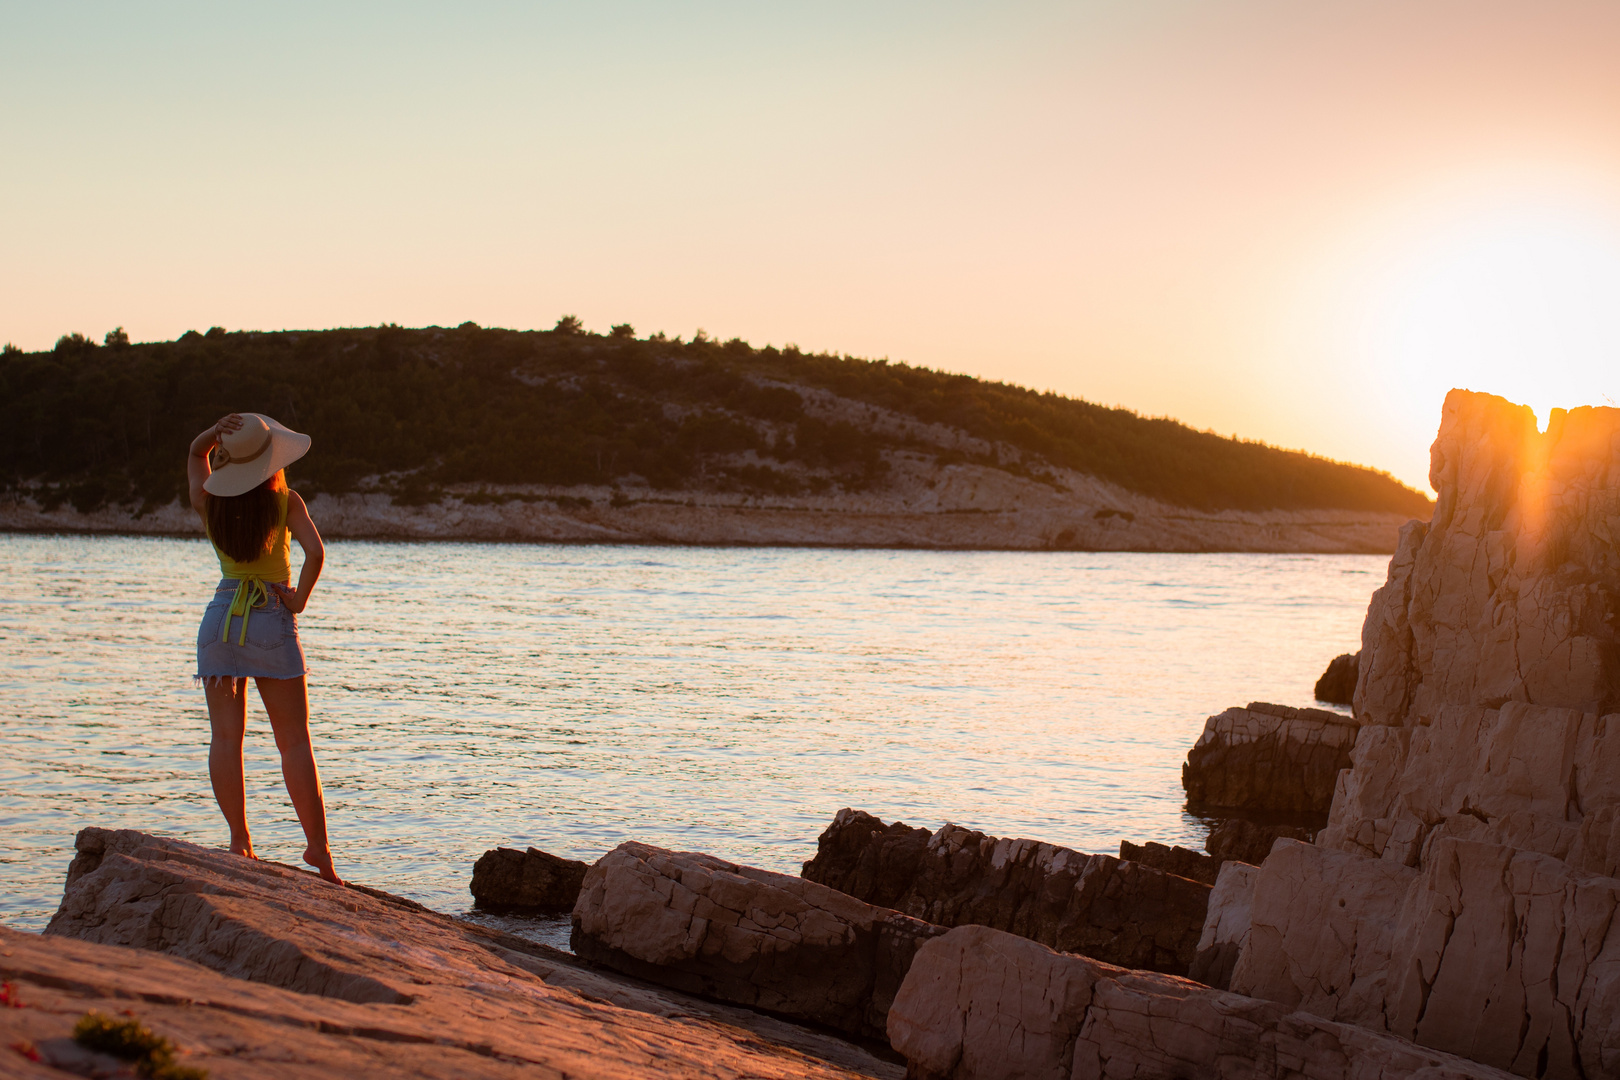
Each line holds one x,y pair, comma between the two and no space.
1268,758
271,971
768,941
512,880
980,1004
1463,893
1097,905
1511,592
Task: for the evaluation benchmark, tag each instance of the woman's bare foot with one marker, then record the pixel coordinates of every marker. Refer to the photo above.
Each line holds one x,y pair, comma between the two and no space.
322,861
242,847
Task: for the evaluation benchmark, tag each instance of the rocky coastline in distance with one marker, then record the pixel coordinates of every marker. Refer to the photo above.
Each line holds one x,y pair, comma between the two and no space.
1424,889
474,433
960,506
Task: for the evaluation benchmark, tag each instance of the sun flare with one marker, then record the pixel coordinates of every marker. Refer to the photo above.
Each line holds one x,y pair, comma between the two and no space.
1518,297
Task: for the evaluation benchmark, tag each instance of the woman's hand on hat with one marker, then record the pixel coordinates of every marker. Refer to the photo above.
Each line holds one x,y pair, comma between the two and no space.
229,422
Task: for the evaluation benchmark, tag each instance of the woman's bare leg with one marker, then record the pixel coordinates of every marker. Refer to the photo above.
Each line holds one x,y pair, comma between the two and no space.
286,702
227,716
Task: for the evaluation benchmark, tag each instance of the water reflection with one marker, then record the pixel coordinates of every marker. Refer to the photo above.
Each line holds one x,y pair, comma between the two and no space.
727,700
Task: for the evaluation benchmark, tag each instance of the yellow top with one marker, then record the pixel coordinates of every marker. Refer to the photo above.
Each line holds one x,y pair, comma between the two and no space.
273,566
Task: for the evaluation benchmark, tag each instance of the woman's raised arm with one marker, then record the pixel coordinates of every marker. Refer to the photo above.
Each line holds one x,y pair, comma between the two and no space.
197,467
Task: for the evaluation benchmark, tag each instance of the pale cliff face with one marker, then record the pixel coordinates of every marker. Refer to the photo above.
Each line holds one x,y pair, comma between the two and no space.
1512,590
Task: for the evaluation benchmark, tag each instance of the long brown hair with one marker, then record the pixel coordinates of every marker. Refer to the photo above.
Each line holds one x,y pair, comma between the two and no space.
244,526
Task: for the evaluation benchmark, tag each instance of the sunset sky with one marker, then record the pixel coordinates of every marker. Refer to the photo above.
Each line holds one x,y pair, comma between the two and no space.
1297,222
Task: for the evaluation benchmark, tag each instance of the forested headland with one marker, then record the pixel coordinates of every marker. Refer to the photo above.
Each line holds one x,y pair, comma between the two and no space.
415,412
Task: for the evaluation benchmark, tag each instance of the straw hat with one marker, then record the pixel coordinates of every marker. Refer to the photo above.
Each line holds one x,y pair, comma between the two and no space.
254,453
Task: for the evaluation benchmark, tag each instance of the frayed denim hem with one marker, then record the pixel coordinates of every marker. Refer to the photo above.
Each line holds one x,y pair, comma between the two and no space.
202,682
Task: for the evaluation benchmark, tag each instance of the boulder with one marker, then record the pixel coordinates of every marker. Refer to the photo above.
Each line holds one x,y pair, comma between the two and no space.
510,880
1269,758
259,969
980,1004
1243,840
859,855
768,941
1179,861
1337,686
1122,912
1226,927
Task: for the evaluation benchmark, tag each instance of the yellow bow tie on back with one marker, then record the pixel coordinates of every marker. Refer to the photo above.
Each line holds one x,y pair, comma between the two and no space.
250,594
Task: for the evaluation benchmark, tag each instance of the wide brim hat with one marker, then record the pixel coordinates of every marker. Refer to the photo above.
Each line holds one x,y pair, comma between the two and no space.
253,453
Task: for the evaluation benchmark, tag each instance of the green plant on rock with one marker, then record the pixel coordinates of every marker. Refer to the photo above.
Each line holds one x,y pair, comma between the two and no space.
150,1053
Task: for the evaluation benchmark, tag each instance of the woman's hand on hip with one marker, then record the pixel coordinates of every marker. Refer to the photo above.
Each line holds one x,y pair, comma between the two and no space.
290,597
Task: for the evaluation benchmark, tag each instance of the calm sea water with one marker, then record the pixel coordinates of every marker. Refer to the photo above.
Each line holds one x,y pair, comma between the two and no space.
717,699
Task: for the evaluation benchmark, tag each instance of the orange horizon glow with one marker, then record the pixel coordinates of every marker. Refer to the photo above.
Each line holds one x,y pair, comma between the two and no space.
1296,224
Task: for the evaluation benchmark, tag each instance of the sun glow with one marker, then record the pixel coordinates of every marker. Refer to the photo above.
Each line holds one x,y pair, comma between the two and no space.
1513,295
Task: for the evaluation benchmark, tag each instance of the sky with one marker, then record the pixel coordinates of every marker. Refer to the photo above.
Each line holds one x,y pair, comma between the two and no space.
1294,222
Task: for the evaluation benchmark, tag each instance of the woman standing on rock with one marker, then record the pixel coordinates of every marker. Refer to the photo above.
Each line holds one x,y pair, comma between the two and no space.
250,629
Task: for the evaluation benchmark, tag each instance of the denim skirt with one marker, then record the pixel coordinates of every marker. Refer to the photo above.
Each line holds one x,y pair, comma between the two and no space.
270,650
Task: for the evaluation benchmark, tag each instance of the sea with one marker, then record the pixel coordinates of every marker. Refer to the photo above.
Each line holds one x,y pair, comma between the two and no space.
571,697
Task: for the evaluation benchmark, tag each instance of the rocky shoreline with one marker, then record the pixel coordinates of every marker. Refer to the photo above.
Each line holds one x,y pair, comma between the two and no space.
965,506
1427,889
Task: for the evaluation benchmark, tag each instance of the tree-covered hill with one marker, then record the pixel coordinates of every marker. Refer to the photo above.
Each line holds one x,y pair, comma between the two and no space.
412,411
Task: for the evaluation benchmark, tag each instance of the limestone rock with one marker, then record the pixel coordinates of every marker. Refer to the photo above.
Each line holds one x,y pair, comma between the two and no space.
1463,892
1226,927
1505,956
1179,861
1097,905
1523,775
1512,591
1322,929
979,1004
1242,840
1269,758
859,855
505,878
1337,686
257,969
768,941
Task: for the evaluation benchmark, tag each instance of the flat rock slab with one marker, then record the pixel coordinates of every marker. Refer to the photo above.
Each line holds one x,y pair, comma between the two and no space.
273,972
1269,758
979,1004
1120,912
510,880
748,936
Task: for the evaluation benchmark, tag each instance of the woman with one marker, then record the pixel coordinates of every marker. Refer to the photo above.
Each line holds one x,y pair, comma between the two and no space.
250,629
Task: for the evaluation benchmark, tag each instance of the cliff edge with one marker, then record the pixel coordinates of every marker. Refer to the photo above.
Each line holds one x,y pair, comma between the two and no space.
1465,892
